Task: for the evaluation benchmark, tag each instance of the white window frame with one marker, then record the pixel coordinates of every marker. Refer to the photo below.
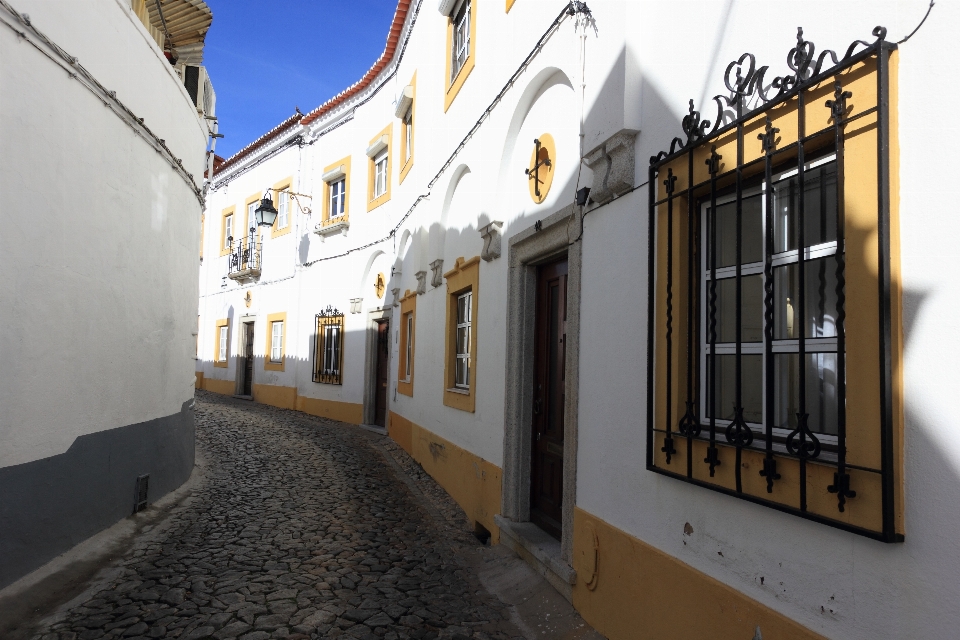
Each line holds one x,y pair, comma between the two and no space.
408,368
380,166
276,341
465,323
337,197
460,43
813,345
283,209
224,337
227,230
332,335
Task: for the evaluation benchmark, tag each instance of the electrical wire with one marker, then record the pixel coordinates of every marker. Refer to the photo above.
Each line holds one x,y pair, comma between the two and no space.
109,98
573,8
925,16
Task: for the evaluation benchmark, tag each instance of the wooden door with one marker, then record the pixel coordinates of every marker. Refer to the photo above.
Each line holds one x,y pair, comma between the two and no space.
248,359
383,373
546,469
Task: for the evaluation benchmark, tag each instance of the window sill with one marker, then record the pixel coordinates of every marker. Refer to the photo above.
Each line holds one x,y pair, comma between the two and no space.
327,228
463,392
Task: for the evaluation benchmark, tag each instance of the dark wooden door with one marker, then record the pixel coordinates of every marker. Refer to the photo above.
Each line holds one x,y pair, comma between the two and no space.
383,373
248,359
546,470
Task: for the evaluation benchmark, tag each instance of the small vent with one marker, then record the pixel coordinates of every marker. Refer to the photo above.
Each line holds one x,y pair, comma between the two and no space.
140,495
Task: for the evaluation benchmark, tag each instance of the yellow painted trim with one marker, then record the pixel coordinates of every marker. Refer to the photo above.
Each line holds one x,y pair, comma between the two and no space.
453,88
225,322
510,5
224,245
474,483
548,150
408,164
408,306
275,395
198,380
625,585
373,203
464,276
284,185
863,393
325,218
333,409
268,365
224,387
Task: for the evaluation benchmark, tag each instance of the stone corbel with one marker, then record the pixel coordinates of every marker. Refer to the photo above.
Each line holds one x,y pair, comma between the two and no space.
437,267
421,282
491,240
396,296
355,304
613,163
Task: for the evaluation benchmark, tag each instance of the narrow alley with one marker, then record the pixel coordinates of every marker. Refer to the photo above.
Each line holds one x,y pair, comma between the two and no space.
303,527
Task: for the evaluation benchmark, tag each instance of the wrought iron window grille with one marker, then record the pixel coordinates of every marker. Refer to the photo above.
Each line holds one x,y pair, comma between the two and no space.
690,295
328,353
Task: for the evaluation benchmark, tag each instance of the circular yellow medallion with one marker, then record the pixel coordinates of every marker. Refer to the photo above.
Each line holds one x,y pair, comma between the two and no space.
540,170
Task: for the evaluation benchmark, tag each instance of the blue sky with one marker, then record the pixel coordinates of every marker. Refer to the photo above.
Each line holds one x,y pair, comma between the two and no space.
267,56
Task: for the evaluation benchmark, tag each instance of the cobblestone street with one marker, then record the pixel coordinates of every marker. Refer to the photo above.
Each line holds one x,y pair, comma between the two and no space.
300,527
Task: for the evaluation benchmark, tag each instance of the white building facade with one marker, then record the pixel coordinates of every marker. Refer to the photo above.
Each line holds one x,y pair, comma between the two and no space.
596,348
101,182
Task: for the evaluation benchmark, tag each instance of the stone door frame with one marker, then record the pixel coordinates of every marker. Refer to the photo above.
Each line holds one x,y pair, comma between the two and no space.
370,364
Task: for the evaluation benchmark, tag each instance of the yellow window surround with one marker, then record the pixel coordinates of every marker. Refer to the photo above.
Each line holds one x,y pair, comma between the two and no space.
850,474
284,185
224,243
408,308
384,138
268,364
406,154
249,221
332,174
510,5
453,87
217,362
465,276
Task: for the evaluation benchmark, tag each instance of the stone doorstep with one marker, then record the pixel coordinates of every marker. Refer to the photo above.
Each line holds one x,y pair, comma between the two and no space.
374,428
540,550
242,397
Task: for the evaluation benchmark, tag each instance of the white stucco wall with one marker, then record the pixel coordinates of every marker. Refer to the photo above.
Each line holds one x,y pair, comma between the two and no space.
99,234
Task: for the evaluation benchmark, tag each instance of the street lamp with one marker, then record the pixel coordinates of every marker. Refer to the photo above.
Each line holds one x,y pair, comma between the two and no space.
266,213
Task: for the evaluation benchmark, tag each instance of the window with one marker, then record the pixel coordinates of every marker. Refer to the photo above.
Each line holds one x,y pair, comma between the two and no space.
772,300
461,48
408,350
461,39
378,189
276,342
405,369
221,343
226,230
328,356
463,282
338,197
462,366
406,103
283,207
283,201
336,179
380,172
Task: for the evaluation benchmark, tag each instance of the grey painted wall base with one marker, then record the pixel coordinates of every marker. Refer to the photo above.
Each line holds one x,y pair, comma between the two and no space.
50,505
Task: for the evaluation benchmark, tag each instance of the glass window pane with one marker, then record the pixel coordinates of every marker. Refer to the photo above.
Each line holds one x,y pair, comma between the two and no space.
462,345
820,299
751,393
819,207
820,373
751,305
752,233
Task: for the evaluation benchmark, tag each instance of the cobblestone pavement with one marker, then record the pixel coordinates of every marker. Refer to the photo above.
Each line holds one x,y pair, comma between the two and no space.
301,528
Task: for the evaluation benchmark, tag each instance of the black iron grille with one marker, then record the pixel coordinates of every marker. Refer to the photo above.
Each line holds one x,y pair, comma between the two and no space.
328,354
140,493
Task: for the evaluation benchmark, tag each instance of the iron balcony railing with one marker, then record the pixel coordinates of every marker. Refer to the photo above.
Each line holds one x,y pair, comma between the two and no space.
244,259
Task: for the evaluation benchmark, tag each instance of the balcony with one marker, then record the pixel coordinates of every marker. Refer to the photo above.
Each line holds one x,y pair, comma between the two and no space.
244,260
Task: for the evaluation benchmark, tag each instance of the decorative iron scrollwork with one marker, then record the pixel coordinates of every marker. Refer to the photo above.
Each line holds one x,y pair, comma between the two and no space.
738,433
689,424
841,487
801,442
329,312
746,84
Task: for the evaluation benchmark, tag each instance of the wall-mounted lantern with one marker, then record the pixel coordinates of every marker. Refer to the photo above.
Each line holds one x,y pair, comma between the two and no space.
266,213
